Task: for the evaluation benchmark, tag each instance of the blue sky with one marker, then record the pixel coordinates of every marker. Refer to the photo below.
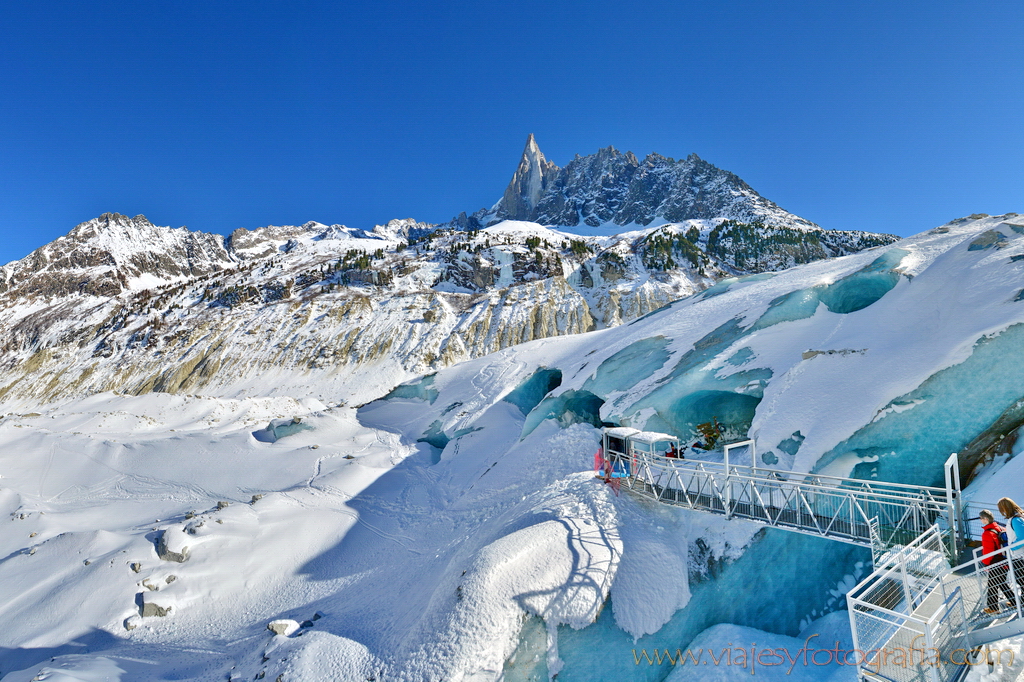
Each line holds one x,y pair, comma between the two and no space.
880,116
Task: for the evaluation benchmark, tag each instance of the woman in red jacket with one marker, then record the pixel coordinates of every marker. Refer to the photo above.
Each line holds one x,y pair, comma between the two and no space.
996,564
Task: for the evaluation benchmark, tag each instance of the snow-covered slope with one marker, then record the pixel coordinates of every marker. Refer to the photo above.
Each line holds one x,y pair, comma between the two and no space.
452,530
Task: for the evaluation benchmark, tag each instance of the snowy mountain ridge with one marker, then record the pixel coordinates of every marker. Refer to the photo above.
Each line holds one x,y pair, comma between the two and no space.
608,190
119,304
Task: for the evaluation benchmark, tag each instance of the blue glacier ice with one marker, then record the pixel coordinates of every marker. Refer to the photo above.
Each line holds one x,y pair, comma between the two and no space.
421,389
796,305
848,294
781,575
792,444
281,428
435,437
952,407
782,579
619,372
864,287
742,356
528,394
718,288
629,366
691,393
570,407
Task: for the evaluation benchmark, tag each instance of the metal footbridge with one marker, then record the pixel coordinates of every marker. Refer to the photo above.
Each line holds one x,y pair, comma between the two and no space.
920,615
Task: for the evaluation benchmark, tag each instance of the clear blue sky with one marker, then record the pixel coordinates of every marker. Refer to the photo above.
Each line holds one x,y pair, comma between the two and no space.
883,116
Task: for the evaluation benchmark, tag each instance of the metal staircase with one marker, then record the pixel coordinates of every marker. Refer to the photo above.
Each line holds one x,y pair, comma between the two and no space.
915,618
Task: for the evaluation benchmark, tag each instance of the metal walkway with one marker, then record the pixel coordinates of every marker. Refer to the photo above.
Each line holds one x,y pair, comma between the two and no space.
873,514
915,618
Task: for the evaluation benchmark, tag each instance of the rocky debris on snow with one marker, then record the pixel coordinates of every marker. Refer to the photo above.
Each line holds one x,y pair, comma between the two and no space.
284,626
171,547
808,354
988,239
150,609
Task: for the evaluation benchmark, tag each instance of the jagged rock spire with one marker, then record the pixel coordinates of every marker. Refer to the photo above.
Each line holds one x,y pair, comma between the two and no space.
529,183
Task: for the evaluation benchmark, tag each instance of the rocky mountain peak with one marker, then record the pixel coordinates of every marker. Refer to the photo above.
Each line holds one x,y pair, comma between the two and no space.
530,182
107,223
111,253
611,188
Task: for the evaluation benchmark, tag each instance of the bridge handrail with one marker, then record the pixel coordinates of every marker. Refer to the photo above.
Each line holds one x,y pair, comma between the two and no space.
939,492
974,576
858,487
890,586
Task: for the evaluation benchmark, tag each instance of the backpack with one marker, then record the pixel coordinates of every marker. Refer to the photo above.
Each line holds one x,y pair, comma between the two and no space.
1001,541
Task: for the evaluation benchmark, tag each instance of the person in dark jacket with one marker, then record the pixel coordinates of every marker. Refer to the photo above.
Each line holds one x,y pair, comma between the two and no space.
995,565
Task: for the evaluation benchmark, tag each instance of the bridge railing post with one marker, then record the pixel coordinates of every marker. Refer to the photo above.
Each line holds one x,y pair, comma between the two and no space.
728,496
728,483
929,638
905,581
951,469
1013,576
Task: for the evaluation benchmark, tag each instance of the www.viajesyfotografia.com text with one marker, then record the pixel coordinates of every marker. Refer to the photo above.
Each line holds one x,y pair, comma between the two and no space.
753,657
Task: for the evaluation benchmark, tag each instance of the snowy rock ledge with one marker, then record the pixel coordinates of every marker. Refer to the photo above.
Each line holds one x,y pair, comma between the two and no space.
171,545
284,626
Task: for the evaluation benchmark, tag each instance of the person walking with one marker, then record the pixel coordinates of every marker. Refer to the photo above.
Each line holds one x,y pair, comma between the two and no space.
995,565
1014,516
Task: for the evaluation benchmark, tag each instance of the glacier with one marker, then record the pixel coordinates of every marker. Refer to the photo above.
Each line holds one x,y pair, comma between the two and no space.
493,552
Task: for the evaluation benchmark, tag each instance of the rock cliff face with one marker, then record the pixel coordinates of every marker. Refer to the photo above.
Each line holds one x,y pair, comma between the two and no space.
119,304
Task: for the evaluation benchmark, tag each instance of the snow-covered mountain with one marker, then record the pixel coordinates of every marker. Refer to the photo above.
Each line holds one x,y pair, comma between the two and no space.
452,530
110,255
119,304
606,191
